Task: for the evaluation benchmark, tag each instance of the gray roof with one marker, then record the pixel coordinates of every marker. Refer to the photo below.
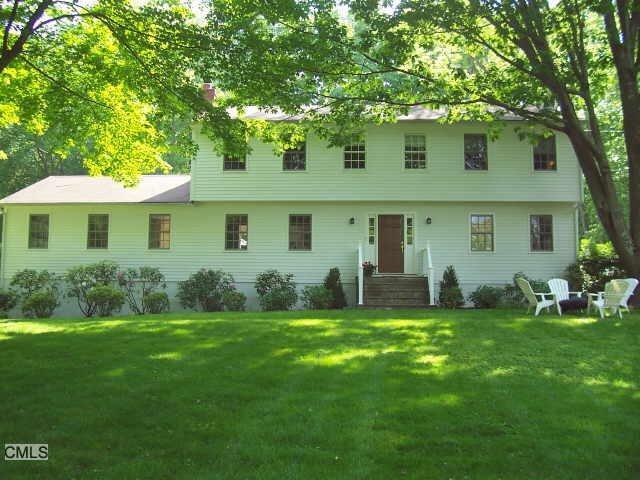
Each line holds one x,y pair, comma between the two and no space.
414,113
85,189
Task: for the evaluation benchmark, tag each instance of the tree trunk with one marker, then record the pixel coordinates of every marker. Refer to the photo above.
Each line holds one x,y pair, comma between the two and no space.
605,199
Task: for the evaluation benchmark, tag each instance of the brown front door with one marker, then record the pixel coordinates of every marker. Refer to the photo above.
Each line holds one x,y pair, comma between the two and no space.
390,243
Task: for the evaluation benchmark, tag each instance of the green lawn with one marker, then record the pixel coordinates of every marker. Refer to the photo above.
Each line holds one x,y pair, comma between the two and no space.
324,395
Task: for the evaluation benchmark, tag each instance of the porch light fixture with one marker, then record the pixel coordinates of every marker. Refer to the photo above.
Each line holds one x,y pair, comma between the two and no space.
352,221
428,220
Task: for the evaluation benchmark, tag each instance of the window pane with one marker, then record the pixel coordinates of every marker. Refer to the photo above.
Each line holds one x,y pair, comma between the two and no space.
372,230
235,163
475,152
299,232
38,231
541,228
98,231
236,232
482,233
295,159
354,153
415,151
544,154
159,231
409,230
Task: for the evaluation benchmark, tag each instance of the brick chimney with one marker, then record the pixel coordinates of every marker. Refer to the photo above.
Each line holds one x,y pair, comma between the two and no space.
208,91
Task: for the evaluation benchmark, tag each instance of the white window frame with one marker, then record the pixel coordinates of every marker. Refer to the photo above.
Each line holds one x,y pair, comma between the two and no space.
553,234
495,233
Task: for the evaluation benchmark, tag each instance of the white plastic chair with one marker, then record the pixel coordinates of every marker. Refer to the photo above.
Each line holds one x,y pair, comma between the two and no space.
560,289
532,297
632,283
610,299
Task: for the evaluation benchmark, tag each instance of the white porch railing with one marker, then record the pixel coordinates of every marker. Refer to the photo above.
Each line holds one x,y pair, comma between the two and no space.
427,271
360,275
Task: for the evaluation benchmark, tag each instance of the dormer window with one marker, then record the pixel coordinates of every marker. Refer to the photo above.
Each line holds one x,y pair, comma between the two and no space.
354,153
295,159
234,163
544,155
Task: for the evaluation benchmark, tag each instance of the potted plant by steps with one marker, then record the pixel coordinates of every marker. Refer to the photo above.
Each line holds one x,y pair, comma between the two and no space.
368,268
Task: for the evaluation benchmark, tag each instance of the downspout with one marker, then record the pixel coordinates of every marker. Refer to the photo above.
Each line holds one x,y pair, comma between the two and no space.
3,245
576,215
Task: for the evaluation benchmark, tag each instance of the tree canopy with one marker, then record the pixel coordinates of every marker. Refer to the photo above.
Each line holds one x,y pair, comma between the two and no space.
562,65
113,82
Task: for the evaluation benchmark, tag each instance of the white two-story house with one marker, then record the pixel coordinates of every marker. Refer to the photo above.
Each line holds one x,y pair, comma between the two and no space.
411,197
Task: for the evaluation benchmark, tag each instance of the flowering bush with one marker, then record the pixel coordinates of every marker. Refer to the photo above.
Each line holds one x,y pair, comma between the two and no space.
369,268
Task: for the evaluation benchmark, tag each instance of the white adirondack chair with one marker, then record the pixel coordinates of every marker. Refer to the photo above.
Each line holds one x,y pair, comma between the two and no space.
560,289
632,283
532,297
611,298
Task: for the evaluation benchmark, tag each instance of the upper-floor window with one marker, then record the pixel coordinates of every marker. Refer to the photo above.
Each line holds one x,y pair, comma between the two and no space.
295,158
354,153
159,231
299,232
234,163
544,155
98,231
482,234
475,152
236,232
541,231
415,151
38,231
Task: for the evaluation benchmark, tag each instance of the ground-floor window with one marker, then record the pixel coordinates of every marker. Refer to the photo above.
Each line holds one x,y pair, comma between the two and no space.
236,232
299,232
98,231
159,231
541,231
482,234
38,231
372,231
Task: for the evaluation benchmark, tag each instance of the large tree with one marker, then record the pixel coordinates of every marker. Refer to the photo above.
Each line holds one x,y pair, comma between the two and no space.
114,82
548,63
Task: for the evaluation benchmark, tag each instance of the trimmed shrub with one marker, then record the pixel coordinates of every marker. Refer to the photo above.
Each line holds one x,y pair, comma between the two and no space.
450,294
451,297
317,297
597,264
234,301
139,284
512,295
81,279
486,296
40,304
204,290
276,291
333,283
156,302
106,299
278,299
8,300
28,281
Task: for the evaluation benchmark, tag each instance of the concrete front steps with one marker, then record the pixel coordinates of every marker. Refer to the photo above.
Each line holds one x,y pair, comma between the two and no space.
396,291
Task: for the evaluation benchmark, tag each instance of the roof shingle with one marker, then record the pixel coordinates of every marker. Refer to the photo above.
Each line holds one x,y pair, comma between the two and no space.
86,189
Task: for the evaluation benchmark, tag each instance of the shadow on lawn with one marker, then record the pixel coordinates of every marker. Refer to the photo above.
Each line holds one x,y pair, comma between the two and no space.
415,394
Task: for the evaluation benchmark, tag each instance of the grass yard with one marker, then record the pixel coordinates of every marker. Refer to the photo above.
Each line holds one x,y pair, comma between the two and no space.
358,394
